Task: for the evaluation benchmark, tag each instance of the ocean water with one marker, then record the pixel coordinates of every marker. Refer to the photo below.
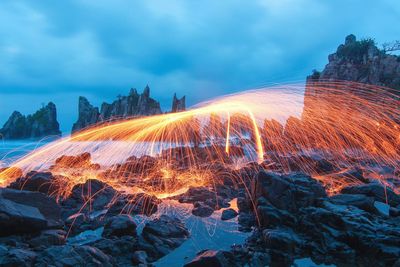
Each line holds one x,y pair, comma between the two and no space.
13,150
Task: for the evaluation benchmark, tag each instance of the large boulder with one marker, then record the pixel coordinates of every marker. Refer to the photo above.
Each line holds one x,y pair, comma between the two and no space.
163,235
197,194
47,238
360,201
202,210
26,211
92,195
140,203
36,181
71,256
287,192
119,226
339,232
376,191
121,249
281,239
228,214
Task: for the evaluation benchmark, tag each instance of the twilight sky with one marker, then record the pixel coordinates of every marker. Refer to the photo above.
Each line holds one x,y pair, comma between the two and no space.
58,50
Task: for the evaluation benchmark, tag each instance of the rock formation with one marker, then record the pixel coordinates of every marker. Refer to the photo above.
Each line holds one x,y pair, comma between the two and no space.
124,107
361,61
40,124
132,105
88,114
178,104
354,61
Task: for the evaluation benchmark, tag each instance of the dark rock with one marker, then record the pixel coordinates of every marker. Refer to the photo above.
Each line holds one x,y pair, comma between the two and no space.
281,239
124,107
18,257
3,251
217,203
197,194
374,240
87,115
36,181
357,200
202,210
139,257
120,249
26,211
73,256
324,166
269,216
119,226
246,221
48,238
178,104
213,258
163,235
244,204
287,192
93,194
260,259
394,212
134,204
228,214
375,190
41,124
76,219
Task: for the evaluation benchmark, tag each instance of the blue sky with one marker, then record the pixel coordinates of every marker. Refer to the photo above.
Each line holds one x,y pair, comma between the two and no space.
58,50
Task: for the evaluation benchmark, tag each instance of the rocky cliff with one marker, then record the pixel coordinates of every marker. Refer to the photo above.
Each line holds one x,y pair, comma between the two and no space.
178,104
361,61
40,124
132,105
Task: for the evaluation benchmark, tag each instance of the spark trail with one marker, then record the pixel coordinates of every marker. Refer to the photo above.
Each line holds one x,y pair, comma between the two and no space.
281,127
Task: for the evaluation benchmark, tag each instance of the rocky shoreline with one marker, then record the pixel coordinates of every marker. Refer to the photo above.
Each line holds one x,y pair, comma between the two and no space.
290,217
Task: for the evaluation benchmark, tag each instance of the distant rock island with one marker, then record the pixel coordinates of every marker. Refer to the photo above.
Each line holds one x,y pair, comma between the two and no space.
361,61
132,105
40,124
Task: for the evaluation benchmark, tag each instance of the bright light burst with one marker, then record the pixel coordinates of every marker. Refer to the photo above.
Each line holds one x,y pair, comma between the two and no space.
283,128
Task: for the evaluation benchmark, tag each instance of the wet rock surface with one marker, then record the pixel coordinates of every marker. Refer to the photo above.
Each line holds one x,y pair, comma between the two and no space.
212,258
120,225
162,235
290,215
228,214
27,212
298,220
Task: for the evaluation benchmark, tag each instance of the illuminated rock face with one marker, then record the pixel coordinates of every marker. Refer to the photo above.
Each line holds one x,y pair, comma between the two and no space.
361,61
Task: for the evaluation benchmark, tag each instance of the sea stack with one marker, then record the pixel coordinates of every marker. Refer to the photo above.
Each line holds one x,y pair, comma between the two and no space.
43,123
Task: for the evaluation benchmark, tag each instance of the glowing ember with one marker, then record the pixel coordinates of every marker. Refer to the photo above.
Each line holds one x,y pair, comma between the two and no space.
348,124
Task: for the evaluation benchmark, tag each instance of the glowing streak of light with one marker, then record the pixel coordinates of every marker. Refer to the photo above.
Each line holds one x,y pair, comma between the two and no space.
227,134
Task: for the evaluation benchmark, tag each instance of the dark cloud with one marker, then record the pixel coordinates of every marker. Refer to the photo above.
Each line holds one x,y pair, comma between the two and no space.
199,48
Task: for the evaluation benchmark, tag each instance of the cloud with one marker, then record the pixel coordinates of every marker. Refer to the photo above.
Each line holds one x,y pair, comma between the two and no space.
198,48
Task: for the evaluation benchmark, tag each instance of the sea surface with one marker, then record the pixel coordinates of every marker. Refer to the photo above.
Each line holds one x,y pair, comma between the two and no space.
13,150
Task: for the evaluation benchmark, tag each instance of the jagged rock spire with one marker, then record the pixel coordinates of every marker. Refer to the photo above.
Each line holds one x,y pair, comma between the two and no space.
178,104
